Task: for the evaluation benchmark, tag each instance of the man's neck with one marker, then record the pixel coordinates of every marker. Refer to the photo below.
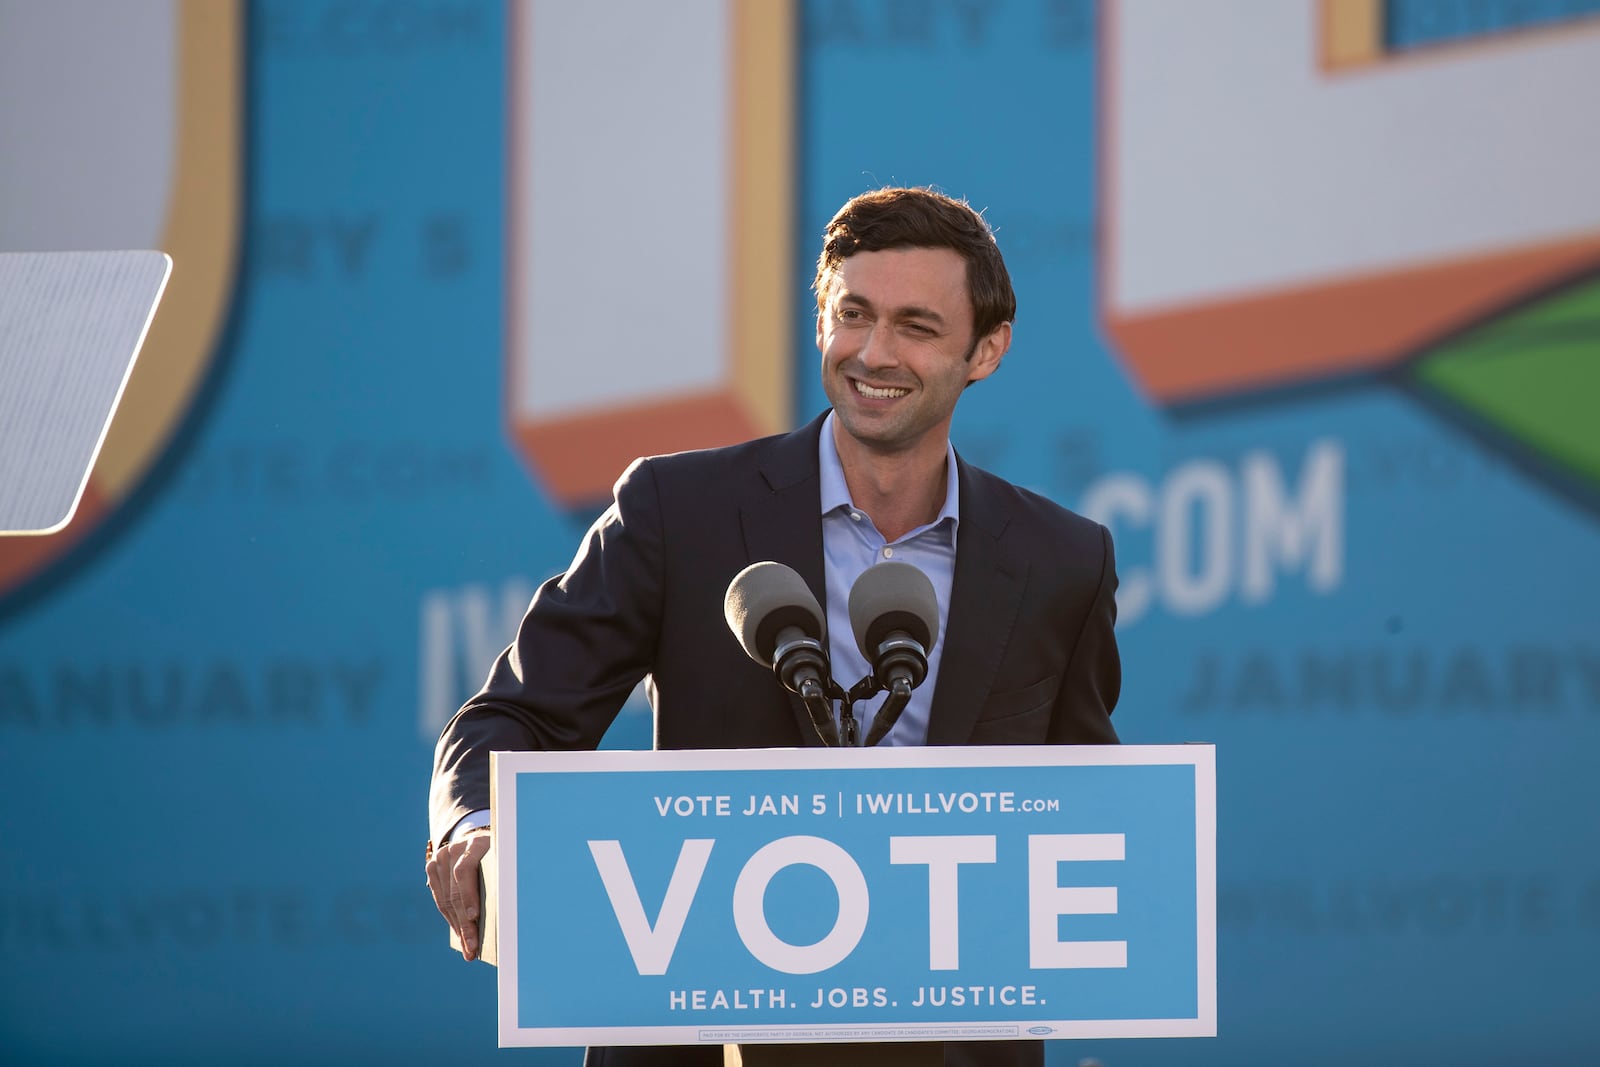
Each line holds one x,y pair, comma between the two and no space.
901,490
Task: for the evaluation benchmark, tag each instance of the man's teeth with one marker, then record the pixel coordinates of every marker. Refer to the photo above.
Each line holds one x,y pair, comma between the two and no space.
879,394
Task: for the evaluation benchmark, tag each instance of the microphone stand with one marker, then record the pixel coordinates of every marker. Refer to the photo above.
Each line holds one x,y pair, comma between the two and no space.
889,714
847,702
818,699
899,696
819,704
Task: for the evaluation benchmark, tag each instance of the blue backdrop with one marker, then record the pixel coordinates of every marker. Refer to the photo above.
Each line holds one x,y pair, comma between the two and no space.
1372,586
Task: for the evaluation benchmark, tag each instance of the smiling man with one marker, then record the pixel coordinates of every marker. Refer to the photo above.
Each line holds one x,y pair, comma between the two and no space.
913,305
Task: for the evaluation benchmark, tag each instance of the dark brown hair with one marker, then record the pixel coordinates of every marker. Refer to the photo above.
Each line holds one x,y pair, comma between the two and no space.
921,218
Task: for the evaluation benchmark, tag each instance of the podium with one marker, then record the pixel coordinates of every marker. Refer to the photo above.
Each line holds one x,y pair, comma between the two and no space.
858,905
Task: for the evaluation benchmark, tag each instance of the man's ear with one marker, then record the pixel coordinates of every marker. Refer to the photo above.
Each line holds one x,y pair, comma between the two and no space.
988,352
820,311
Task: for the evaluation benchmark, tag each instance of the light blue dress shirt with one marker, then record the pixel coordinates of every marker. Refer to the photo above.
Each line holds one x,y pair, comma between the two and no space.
851,544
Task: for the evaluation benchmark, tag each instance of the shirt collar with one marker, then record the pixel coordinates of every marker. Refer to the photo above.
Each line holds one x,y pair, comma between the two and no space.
836,494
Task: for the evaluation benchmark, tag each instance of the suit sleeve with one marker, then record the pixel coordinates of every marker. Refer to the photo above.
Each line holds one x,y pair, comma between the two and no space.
587,639
1093,681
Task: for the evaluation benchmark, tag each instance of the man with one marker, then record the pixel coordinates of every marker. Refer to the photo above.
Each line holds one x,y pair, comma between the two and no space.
913,305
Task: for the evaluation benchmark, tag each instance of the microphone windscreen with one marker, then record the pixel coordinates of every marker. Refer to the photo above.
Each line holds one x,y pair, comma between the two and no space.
893,596
764,599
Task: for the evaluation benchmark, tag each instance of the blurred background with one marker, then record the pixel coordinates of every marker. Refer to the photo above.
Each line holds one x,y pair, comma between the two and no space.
1309,315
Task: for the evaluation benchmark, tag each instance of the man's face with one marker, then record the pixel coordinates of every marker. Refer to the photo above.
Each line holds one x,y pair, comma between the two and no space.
895,332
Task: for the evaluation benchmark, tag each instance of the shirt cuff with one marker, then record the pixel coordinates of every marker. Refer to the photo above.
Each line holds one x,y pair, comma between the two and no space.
472,820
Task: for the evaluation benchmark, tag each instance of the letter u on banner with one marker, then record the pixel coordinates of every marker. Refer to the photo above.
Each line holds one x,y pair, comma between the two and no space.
141,106
1334,203
648,259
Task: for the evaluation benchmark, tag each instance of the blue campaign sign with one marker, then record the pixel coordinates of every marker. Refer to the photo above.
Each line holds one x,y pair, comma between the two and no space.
827,895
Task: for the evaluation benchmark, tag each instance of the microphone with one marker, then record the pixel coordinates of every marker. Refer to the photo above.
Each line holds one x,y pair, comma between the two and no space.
894,613
778,623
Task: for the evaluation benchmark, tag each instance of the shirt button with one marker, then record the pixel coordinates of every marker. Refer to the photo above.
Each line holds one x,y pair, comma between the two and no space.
856,515
887,552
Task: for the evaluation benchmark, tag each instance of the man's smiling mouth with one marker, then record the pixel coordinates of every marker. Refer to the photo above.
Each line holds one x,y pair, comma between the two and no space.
878,394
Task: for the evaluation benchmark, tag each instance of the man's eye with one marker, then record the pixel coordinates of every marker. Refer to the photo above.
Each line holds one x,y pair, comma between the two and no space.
849,315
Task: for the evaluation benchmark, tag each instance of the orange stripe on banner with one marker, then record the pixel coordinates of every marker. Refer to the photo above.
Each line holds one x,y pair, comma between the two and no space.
201,233
761,230
574,457
1352,32
1337,328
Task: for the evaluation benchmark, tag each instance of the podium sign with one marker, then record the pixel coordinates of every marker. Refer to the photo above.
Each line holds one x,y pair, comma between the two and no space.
910,894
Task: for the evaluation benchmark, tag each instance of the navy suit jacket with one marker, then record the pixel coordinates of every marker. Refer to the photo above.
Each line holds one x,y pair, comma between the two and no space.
1029,654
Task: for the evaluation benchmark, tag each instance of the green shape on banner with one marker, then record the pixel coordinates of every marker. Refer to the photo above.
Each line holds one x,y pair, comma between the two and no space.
1533,374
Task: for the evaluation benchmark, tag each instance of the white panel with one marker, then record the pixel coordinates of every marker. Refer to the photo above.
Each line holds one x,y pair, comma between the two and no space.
87,123
621,249
70,326
1240,165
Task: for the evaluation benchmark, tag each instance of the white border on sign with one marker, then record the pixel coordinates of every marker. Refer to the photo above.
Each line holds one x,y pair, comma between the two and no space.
1202,757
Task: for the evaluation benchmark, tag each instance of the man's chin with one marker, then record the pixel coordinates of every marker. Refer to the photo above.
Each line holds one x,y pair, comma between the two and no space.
876,431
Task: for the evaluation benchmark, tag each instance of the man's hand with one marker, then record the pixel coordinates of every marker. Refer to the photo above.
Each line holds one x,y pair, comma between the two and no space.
453,879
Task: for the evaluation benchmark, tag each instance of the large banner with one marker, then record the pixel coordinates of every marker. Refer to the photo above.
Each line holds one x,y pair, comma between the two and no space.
1309,314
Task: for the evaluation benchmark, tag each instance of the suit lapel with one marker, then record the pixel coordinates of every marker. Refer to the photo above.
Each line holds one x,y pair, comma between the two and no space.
779,515
985,595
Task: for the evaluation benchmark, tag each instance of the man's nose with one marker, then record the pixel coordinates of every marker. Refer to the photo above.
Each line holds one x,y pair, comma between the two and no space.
879,349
